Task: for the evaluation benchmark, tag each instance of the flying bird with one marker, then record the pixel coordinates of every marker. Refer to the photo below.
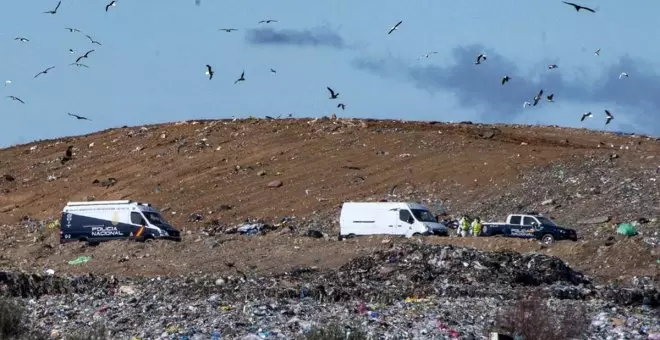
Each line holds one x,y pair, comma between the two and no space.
7,82
92,40
16,99
552,66
78,64
341,106
84,55
480,58
77,116
44,71
585,115
550,97
22,39
72,51
55,10
70,29
209,71
428,54
333,95
112,3
395,27
623,74
273,71
268,21
505,79
526,104
608,117
597,53
578,7
538,97
242,78
228,30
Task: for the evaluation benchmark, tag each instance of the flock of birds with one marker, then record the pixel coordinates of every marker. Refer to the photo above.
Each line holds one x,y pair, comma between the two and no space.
481,58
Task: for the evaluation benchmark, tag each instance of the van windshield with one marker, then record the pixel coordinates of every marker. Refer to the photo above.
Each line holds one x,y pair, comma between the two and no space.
155,218
423,215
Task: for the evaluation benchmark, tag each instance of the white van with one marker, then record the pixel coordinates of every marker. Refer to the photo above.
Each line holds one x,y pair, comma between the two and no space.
388,218
98,221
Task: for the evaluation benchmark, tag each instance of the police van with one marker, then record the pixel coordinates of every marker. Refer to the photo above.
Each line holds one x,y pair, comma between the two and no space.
98,221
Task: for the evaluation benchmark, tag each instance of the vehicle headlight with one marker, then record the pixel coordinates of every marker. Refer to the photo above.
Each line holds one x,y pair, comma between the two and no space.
164,233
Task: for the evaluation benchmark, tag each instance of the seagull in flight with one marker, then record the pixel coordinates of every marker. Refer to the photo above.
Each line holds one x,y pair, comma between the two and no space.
342,106
7,82
84,55
268,21
526,104
242,78
481,57
538,97
44,71
16,99
552,66
505,79
92,40
22,39
579,7
55,10
549,97
395,27
228,30
585,115
112,3
209,71
608,117
428,54
623,74
77,116
79,65
273,70
71,29
597,53
333,95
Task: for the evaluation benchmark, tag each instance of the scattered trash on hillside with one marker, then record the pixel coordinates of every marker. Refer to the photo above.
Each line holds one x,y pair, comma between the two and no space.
626,229
80,260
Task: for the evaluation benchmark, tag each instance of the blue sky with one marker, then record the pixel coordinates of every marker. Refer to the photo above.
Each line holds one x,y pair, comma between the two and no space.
150,67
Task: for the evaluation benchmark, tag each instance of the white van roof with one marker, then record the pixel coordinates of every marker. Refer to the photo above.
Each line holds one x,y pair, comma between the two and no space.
84,203
411,205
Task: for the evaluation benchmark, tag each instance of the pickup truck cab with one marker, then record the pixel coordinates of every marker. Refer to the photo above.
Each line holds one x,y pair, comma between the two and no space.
533,226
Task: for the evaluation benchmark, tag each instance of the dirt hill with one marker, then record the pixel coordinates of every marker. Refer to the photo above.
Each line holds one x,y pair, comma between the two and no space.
227,171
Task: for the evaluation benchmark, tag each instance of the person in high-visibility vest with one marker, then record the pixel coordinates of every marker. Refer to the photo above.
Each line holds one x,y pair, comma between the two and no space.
476,227
463,226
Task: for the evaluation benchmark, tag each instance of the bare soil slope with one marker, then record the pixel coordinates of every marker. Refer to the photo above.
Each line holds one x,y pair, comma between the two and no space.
222,170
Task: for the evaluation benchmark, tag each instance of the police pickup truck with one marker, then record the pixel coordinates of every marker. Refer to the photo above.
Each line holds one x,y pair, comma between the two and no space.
534,226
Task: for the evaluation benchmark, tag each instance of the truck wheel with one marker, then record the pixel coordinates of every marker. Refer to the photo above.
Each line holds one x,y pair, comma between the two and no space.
547,239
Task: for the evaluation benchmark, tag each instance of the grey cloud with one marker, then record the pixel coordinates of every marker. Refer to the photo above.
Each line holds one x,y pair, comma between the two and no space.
478,86
309,37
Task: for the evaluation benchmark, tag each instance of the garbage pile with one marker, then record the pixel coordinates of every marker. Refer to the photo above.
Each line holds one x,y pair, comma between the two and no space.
411,291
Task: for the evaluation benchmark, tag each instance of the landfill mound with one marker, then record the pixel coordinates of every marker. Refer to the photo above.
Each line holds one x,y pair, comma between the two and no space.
384,276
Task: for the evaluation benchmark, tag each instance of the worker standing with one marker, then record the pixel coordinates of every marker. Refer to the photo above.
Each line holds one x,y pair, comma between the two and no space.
463,226
476,227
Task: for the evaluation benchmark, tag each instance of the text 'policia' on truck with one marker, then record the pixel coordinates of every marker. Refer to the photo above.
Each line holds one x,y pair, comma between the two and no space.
99,221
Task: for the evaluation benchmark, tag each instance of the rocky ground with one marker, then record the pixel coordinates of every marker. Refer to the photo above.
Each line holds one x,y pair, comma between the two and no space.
289,177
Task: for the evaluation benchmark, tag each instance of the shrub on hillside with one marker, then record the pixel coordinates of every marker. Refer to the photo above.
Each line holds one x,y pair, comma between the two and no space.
533,319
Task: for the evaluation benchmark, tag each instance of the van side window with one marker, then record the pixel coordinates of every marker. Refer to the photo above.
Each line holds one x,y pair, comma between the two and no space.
136,218
528,221
404,215
515,220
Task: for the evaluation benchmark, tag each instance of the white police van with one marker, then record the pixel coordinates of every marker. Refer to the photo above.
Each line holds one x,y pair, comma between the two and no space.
98,221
